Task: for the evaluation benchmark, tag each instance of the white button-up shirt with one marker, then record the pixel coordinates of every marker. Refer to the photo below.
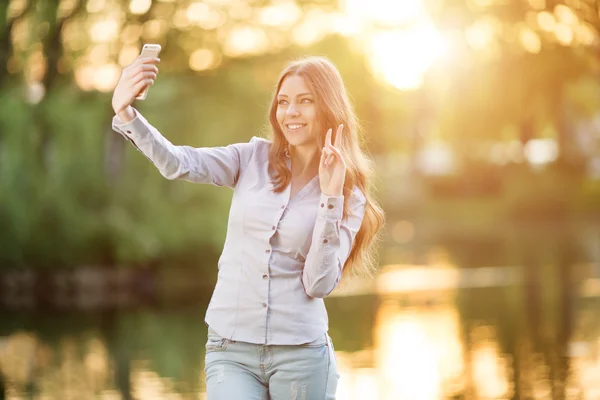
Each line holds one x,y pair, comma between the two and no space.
281,256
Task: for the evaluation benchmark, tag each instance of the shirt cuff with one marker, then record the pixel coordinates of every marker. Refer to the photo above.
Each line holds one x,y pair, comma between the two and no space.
135,128
331,207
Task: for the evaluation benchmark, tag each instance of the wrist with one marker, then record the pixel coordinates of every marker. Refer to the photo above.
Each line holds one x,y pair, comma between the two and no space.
332,194
126,115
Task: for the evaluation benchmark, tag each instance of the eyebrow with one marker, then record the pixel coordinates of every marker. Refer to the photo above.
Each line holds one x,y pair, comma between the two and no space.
299,95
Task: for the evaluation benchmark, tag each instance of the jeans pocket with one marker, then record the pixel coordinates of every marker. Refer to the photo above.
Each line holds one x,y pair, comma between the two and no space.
215,342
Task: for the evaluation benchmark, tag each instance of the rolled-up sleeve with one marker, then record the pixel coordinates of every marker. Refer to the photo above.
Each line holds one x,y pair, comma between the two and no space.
331,242
220,166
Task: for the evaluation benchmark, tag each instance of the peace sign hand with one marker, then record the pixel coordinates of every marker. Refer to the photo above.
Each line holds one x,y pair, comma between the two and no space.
332,168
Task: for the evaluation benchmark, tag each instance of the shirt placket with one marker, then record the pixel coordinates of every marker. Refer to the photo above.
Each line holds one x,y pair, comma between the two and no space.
266,277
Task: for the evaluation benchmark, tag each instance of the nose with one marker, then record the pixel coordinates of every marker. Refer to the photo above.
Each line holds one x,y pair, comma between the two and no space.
293,111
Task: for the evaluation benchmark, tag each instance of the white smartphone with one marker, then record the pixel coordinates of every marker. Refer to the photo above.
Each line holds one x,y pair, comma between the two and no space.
149,50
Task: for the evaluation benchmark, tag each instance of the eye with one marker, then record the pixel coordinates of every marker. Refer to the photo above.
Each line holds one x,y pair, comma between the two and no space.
306,101
281,102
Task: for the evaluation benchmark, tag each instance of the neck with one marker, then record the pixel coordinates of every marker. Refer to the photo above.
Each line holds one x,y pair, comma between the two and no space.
305,160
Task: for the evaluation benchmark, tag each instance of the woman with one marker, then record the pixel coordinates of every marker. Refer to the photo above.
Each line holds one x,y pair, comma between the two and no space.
301,215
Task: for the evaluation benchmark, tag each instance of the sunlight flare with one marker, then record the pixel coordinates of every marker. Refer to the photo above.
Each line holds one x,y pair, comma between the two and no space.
408,45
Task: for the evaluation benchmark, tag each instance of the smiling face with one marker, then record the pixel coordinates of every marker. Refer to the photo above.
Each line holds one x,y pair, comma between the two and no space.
296,112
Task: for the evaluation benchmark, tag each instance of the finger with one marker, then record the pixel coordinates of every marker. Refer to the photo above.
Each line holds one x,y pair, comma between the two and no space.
138,62
323,157
330,159
142,68
328,137
145,74
141,85
326,155
142,77
146,60
330,155
146,67
143,61
338,136
336,153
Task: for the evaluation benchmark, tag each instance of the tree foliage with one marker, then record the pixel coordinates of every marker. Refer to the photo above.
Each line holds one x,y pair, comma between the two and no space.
73,191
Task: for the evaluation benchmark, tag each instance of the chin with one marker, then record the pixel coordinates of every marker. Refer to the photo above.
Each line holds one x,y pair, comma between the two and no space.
302,143
300,140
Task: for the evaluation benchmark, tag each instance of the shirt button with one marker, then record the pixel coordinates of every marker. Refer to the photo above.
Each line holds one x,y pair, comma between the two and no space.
325,241
273,227
282,207
322,205
267,251
128,131
265,276
264,305
330,206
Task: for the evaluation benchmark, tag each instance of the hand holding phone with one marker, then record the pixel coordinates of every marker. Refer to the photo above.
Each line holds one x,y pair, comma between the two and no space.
136,78
150,51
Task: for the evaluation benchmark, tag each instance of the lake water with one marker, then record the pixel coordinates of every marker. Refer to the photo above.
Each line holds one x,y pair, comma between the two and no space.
426,329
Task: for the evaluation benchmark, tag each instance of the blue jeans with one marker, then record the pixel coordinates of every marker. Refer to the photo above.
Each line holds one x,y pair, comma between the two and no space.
246,371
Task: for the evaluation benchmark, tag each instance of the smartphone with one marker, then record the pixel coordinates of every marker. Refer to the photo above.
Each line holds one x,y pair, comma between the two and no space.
148,50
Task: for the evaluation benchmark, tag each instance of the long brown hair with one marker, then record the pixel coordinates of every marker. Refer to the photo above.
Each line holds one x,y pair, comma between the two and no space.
334,108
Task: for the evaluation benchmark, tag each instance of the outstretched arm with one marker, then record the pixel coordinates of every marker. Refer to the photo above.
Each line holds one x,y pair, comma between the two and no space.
219,166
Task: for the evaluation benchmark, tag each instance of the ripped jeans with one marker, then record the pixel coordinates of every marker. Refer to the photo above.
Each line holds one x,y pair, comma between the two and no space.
246,371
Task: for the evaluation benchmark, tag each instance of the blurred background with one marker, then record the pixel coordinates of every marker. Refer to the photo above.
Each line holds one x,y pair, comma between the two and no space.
483,117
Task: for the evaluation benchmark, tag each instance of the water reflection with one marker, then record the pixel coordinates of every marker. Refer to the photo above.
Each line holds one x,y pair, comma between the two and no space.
489,367
419,351
490,339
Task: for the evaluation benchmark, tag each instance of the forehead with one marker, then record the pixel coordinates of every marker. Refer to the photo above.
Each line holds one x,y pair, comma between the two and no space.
293,85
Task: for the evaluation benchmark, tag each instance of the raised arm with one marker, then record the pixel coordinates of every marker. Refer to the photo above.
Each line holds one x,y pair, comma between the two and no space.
220,166
332,237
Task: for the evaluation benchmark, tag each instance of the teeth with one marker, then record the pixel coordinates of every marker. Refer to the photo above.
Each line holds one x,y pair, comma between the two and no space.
295,126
